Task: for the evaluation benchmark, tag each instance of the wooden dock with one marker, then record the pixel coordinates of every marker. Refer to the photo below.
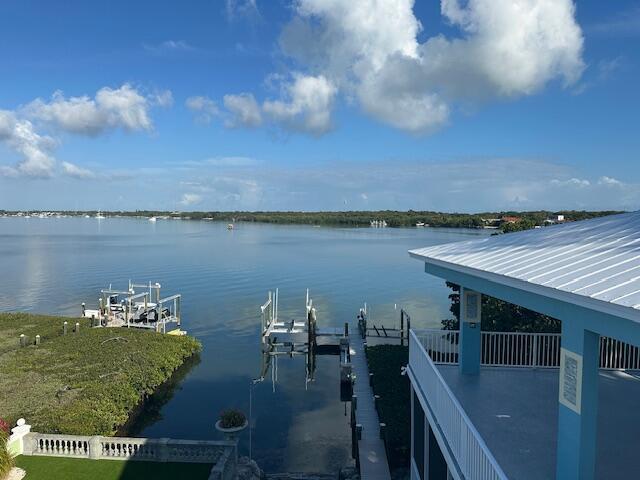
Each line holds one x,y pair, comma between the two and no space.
371,451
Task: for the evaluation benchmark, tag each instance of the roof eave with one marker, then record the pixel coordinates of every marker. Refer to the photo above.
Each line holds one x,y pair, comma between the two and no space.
594,304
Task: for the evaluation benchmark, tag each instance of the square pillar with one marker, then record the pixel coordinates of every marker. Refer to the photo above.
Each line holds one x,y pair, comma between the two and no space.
578,403
470,336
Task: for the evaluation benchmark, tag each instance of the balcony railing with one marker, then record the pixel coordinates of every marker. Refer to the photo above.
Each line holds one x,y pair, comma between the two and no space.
519,349
472,455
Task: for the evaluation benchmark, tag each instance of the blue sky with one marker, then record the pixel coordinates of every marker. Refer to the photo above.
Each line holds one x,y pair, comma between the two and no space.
320,104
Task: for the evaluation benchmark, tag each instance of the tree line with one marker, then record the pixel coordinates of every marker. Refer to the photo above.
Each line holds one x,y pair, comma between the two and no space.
394,218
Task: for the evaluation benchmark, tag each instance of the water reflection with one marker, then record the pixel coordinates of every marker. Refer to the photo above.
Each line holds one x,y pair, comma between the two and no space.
53,265
150,411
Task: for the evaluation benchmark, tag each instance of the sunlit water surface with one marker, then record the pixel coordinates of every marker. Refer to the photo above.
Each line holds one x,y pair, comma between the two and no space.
53,265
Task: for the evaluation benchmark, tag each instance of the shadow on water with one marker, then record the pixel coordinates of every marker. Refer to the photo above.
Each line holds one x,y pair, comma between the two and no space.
149,410
137,470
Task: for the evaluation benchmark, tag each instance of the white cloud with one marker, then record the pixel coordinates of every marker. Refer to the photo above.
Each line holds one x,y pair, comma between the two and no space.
242,9
204,108
306,104
609,181
162,98
189,199
476,186
233,162
571,182
33,149
243,110
169,47
123,107
73,170
368,50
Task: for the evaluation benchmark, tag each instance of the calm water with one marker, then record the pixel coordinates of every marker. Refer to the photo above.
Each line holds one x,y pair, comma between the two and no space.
53,265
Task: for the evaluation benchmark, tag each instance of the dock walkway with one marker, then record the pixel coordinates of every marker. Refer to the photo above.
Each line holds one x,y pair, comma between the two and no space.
373,457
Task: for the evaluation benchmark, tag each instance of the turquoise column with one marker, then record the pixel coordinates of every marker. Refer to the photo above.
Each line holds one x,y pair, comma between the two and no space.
470,337
578,403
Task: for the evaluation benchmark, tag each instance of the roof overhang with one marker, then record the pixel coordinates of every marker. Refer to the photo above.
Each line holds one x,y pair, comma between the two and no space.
448,271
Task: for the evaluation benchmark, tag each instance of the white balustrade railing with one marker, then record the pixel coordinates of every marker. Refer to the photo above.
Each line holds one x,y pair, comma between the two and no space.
472,455
521,349
59,445
126,448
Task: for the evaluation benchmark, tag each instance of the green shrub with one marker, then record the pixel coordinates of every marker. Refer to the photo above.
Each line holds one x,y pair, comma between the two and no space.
394,406
82,383
232,418
6,460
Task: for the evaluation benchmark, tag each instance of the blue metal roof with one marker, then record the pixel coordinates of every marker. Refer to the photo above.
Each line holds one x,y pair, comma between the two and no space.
597,259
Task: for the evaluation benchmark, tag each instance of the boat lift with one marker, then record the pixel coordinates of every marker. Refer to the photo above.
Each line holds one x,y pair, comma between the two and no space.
126,308
292,338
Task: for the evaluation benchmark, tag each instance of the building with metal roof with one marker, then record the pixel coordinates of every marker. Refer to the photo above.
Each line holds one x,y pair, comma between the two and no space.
483,397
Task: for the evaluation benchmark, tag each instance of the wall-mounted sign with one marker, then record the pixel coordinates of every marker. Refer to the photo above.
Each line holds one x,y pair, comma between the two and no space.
570,380
472,306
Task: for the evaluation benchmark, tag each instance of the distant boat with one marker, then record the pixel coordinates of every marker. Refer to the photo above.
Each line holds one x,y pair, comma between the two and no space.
153,219
99,215
420,224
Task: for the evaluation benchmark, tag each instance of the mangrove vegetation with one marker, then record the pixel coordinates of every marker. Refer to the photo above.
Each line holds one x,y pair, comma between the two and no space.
85,382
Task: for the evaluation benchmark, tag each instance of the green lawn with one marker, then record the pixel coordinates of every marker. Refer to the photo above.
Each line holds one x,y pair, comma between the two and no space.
52,468
82,383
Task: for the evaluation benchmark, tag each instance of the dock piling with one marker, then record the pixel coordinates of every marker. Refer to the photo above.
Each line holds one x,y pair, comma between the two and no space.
37,339
64,328
77,328
23,340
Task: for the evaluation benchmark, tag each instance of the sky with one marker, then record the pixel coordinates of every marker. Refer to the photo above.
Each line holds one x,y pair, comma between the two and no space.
451,105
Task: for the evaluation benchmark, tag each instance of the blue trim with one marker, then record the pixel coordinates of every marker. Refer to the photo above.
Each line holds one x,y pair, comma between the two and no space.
578,432
604,324
470,340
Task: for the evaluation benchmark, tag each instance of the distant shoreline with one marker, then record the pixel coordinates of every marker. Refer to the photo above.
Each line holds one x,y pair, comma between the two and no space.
391,218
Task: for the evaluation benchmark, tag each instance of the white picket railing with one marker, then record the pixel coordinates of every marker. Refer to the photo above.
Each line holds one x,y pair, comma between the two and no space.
520,349
472,455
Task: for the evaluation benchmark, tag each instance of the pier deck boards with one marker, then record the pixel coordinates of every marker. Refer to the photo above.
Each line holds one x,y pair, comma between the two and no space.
373,457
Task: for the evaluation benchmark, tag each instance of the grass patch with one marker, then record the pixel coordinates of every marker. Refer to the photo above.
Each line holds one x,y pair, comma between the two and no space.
394,407
52,468
82,383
